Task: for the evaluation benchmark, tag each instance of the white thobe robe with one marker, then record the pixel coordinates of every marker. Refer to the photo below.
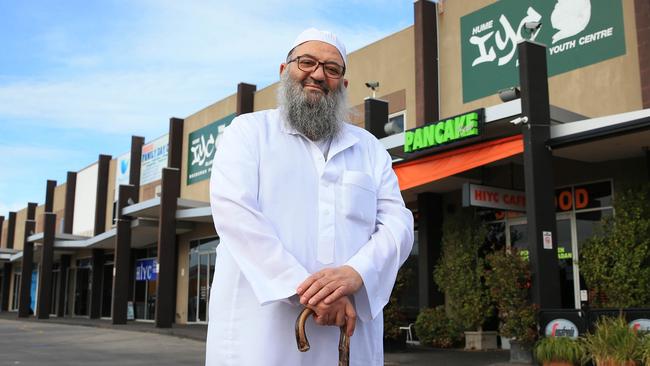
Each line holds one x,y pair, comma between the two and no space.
282,212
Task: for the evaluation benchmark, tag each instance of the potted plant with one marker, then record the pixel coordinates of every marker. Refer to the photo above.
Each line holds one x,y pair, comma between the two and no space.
508,277
559,351
614,262
646,349
613,343
459,274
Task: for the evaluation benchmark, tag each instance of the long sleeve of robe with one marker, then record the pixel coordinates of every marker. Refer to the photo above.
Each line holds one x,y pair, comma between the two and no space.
283,211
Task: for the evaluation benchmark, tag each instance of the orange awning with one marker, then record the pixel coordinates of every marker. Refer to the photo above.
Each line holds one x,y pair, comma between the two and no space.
431,168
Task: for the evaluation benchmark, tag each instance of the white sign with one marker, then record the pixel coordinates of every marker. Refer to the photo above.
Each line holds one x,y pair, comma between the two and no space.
547,239
561,328
642,325
85,198
485,196
122,170
154,158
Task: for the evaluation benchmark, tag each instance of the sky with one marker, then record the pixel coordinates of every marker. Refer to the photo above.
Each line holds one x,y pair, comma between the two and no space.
79,78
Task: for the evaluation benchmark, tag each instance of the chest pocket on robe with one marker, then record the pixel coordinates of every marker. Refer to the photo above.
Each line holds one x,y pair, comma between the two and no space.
358,200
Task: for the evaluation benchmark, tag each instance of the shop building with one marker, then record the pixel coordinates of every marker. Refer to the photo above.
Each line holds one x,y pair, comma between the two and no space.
131,237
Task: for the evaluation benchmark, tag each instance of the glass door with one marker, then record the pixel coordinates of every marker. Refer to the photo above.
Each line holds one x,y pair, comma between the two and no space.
200,280
567,249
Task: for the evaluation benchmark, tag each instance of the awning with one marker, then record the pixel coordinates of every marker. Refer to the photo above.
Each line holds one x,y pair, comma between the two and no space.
431,168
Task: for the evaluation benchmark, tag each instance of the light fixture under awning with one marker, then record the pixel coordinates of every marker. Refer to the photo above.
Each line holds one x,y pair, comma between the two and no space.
428,169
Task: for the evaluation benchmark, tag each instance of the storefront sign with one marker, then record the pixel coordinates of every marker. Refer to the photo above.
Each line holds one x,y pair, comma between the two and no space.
444,132
154,159
122,172
561,328
577,33
491,197
202,145
593,195
146,269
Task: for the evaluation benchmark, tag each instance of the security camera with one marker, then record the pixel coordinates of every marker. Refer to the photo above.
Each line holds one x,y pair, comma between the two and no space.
372,85
532,26
509,94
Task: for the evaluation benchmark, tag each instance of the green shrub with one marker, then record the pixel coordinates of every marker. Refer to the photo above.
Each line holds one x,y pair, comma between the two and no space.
459,273
646,350
509,280
613,340
435,328
559,349
616,261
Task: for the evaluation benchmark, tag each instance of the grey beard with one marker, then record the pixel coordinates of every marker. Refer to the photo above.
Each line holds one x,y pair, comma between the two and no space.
316,119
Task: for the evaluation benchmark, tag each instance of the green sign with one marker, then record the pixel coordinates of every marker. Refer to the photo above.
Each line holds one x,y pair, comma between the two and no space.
202,145
577,33
444,132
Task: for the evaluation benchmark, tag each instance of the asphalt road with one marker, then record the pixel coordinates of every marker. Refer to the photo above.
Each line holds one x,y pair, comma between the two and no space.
33,343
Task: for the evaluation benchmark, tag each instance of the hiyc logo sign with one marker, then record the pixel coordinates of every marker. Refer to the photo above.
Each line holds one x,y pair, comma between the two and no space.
576,32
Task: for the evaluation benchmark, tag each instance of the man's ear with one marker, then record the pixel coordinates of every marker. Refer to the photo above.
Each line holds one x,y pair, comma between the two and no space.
282,67
345,83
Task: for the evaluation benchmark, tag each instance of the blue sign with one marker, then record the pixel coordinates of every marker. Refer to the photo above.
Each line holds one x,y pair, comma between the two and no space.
32,303
146,269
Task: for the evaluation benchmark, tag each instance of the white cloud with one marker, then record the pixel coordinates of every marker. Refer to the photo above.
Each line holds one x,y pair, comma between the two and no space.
178,58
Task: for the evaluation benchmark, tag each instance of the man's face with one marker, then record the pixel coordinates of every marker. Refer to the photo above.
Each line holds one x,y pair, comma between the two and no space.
316,83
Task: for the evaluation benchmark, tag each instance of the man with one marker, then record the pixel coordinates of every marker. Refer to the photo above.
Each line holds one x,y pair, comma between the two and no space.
309,212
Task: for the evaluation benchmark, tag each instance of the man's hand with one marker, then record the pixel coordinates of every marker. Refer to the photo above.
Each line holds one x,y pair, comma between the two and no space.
329,285
341,312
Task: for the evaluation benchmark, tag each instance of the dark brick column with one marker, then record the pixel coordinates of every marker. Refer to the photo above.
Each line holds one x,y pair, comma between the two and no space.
175,151
49,195
376,116
245,98
430,215
538,174
2,221
165,296
11,230
136,160
70,190
44,303
122,262
642,12
24,300
426,62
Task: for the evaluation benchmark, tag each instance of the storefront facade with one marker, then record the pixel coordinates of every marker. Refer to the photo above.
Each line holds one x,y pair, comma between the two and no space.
132,238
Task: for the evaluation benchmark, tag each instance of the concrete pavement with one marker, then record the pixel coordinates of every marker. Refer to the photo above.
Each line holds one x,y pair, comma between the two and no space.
82,341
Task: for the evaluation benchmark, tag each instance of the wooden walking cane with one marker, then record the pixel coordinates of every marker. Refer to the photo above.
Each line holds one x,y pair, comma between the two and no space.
303,343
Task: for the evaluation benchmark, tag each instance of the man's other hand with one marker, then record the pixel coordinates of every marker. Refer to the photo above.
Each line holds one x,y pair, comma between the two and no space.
339,313
329,285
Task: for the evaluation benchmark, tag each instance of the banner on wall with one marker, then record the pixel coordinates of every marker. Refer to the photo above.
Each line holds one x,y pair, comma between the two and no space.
202,145
154,158
576,33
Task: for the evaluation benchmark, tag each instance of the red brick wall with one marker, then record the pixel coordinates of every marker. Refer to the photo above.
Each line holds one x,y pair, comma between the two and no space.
642,10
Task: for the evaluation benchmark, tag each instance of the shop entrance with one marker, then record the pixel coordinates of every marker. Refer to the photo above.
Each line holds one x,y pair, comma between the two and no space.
201,271
567,250
16,289
146,279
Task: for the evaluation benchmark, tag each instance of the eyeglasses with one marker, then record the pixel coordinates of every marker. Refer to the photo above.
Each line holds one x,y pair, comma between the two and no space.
309,64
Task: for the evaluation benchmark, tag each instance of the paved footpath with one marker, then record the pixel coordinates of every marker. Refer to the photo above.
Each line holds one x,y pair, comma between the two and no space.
71,342
29,343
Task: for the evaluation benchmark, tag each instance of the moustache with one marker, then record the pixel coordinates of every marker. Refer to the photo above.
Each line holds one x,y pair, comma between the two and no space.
320,84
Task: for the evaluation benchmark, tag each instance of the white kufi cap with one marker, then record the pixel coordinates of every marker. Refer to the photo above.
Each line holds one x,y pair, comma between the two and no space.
313,34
